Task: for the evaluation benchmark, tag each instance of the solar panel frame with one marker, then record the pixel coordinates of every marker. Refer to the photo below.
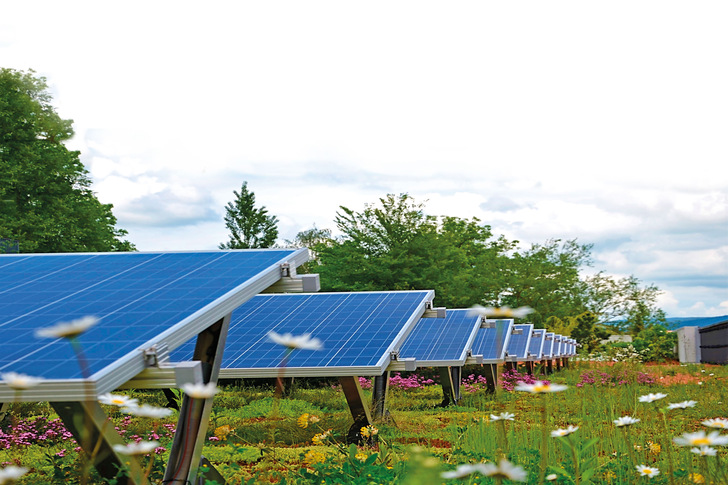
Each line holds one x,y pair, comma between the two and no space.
465,335
558,345
261,349
487,339
535,348
222,300
518,346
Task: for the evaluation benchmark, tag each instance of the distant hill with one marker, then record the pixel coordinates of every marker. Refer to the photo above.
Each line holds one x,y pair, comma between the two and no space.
695,321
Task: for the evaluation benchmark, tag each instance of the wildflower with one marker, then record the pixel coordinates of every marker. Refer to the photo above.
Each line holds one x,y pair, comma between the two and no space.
320,438
117,400
502,312
654,448
200,391
68,330
314,419
682,405
625,421
303,420
564,432
222,432
368,431
716,423
652,397
696,478
704,451
300,342
502,416
463,471
505,469
147,411
647,471
361,456
141,448
540,387
20,381
551,477
11,473
700,438
312,457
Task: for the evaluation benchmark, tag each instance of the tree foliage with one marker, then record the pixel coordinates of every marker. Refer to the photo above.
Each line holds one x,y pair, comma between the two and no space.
250,227
46,201
395,245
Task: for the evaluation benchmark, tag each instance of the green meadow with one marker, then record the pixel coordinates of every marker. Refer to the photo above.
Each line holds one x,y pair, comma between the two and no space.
254,437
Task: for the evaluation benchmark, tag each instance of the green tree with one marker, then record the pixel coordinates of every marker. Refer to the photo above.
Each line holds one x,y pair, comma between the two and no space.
546,278
46,201
312,239
623,301
394,245
250,227
584,331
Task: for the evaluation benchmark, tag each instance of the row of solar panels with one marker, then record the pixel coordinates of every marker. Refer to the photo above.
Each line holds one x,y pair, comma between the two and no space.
158,302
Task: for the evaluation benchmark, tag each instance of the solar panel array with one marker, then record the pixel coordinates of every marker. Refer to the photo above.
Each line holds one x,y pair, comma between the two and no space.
359,332
438,342
492,340
519,343
141,299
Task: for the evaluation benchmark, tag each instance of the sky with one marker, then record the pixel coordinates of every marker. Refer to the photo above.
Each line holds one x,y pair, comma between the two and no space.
603,122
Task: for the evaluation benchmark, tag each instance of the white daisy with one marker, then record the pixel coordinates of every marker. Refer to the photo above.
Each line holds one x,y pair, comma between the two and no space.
704,451
200,391
647,471
296,342
540,387
69,330
564,432
701,439
682,405
652,397
20,381
721,423
625,421
11,473
141,448
117,400
502,417
147,411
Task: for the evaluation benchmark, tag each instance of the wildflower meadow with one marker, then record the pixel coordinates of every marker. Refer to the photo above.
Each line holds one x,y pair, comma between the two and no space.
593,422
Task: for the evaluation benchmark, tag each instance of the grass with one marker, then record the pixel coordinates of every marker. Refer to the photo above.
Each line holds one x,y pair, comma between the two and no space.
421,441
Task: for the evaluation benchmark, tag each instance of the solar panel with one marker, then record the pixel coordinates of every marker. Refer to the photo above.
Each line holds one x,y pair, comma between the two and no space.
535,348
439,342
492,340
359,331
558,346
520,340
142,300
548,346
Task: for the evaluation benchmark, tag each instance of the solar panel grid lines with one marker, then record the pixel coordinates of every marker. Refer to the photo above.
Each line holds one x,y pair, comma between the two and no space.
492,340
520,341
558,346
359,332
142,299
535,348
440,342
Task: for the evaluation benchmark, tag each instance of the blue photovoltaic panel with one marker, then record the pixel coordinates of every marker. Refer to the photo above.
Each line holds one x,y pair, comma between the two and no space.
358,331
140,299
548,345
492,340
442,341
535,348
558,346
520,340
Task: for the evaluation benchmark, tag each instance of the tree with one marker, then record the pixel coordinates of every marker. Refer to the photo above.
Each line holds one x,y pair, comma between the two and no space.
46,201
250,227
394,245
312,239
623,300
545,277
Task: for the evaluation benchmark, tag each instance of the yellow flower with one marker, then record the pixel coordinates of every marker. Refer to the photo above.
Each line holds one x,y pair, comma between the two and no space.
361,456
223,431
696,478
312,457
303,420
319,438
368,431
654,448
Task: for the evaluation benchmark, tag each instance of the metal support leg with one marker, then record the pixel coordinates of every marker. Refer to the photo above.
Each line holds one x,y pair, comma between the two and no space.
491,377
359,411
550,366
558,364
529,367
91,429
566,362
186,453
380,390
448,387
456,378
543,368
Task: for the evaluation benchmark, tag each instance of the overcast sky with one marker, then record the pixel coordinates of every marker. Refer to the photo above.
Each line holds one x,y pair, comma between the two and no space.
601,121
